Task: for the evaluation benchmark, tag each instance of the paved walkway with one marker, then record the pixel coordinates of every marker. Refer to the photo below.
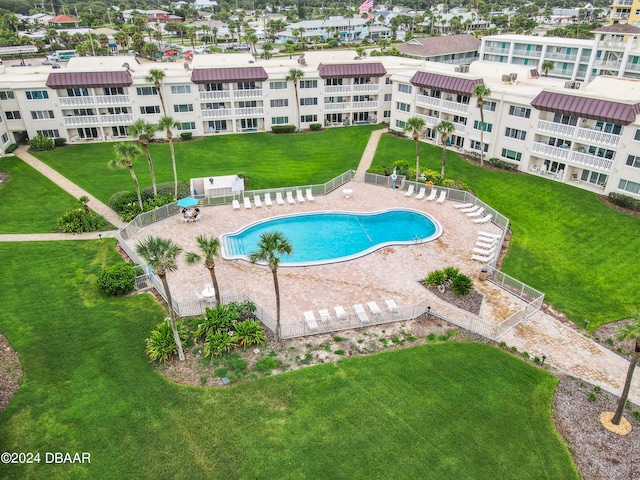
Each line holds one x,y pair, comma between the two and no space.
565,348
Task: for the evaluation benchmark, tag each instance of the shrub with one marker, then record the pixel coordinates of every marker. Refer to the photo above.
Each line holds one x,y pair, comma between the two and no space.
339,352
117,279
496,162
332,43
636,414
283,128
431,337
40,143
80,220
120,199
186,135
215,319
436,278
160,345
591,397
455,184
624,201
461,285
166,190
11,148
315,126
249,332
267,364
386,171
218,342
450,273
59,142
401,166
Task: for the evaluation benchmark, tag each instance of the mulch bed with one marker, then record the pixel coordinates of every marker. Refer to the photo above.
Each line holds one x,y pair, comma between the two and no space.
10,372
471,303
4,178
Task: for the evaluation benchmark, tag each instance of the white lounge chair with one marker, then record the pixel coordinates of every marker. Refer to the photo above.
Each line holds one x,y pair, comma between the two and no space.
325,316
236,204
340,313
489,235
421,193
392,306
257,201
375,309
409,191
290,199
485,244
247,202
310,318
485,219
463,205
482,258
470,209
362,315
442,197
477,213
299,196
267,200
279,199
310,195
484,251
432,195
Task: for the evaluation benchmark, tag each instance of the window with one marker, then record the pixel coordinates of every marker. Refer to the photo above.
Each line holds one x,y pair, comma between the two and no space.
511,155
186,107
308,101
187,126
217,125
308,118
119,131
632,160
388,97
594,177
279,120
213,87
278,85
388,81
82,112
627,186
37,94
283,102
361,98
636,137
601,152
77,92
401,124
246,85
146,91
608,127
7,95
113,90
333,82
180,89
248,104
213,106
459,119
403,88
361,80
386,114
42,114
308,83
150,109
91,132
489,106
487,126
515,133
565,119
13,115
519,111
249,123
403,107
475,145
48,133
5,138
117,110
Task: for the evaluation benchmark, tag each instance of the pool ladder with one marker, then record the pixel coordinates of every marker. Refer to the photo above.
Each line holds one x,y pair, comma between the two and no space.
417,239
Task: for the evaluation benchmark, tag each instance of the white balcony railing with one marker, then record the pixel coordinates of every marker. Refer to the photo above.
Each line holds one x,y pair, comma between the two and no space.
591,161
221,112
623,3
337,107
337,89
366,88
84,120
523,52
460,129
426,101
613,64
455,106
551,151
598,137
428,121
116,119
556,128
500,50
611,44
249,112
94,100
561,56
215,95
255,93
365,105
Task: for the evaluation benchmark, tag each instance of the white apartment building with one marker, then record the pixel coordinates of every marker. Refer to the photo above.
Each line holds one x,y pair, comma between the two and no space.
587,136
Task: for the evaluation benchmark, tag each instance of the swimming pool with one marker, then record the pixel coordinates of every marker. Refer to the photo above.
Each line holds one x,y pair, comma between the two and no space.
328,237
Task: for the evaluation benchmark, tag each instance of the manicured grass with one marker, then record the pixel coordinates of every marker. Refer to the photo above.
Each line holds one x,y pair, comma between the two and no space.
565,241
29,202
269,160
436,411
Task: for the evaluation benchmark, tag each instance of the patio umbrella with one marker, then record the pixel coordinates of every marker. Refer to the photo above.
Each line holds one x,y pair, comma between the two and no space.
187,202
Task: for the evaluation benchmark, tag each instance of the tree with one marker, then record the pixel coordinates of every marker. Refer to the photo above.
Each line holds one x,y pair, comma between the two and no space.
160,254
144,131
445,129
167,123
210,248
481,91
630,332
271,246
415,125
156,76
266,50
546,66
125,153
295,75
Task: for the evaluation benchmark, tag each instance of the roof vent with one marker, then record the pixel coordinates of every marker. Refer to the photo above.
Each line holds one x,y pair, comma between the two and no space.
572,85
186,65
126,65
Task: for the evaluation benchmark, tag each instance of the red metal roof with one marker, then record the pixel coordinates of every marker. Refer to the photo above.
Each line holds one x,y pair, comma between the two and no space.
228,75
593,108
89,79
445,83
352,70
63,19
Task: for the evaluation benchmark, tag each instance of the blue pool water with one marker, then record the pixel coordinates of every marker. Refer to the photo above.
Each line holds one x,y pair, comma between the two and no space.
328,237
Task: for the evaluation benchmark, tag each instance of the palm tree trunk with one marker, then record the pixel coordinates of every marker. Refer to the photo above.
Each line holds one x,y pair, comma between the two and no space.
175,172
295,88
214,280
415,137
176,335
481,136
444,156
153,174
277,288
159,89
135,182
627,386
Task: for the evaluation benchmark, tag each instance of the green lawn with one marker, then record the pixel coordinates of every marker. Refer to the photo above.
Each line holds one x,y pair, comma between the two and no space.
29,202
436,411
565,242
269,160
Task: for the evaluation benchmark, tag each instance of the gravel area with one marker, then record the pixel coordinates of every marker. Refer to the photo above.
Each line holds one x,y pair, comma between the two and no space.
10,372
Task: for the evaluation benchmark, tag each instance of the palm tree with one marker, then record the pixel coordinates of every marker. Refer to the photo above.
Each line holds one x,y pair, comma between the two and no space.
630,332
160,254
270,246
445,129
210,248
415,125
295,75
166,124
156,76
266,50
125,153
144,131
481,91
546,66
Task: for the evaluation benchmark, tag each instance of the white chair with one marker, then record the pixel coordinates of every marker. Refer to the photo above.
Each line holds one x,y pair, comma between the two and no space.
485,244
257,201
392,306
199,295
484,251
442,197
362,315
463,205
325,316
470,209
310,195
477,213
267,200
310,318
247,202
482,258
495,236
340,313
290,199
409,191
236,205
421,193
299,196
375,309
483,219
432,195
279,199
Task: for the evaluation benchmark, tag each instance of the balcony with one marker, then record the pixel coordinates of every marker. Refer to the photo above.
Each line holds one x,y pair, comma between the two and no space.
556,128
597,136
591,161
619,15
428,121
561,56
426,101
218,113
249,112
365,105
337,107
522,52
366,88
633,67
95,100
608,64
255,93
550,151
92,120
611,45
337,89
215,95
461,129
454,107
622,3
498,50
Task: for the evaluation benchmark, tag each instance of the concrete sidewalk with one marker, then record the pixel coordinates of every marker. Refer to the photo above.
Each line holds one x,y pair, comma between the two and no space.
368,154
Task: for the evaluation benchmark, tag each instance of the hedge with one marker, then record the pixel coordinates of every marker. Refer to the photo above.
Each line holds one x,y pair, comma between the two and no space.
283,128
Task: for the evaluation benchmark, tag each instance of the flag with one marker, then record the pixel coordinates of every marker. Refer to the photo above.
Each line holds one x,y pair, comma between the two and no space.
366,6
